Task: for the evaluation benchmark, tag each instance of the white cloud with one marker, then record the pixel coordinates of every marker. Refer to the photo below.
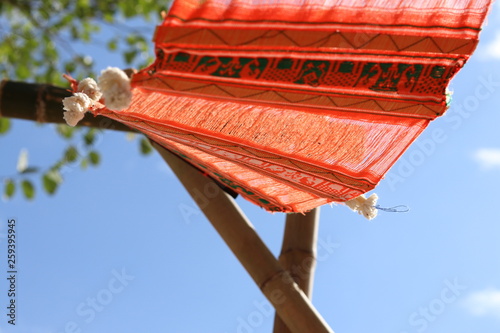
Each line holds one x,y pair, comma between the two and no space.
488,158
483,303
492,49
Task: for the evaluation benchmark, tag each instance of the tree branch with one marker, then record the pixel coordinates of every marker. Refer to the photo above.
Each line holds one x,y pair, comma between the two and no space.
43,103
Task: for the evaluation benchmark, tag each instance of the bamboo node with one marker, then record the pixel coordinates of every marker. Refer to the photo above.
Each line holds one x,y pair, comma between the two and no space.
310,253
282,274
41,106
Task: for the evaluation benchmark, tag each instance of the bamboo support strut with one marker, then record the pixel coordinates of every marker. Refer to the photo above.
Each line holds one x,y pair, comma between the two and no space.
291,304
298,254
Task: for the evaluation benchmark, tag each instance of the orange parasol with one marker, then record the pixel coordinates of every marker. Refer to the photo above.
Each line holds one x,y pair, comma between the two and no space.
295,104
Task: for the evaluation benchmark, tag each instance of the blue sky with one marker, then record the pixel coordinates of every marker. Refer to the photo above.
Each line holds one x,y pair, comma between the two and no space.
113,251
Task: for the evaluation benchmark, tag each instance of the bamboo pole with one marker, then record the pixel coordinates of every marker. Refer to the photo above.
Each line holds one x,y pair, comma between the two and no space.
43,103
298,254
291,304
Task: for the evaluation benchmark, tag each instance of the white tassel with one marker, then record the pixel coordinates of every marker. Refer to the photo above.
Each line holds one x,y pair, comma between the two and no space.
79,102
75,107
73,117
364,206
115,88
89,87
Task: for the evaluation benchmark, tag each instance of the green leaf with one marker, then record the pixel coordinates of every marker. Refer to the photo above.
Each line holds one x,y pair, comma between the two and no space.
128,8
28,189
66,20
65,131
9,189
71,154
49,185
131,39
129,56
145,146
59,164
112,45
94,158
30,170
74,32
69,67
51,181
4,125
22,72
108,17
84,164
89,137
55,175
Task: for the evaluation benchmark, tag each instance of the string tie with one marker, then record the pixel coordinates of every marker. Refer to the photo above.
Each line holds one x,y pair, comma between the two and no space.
395,209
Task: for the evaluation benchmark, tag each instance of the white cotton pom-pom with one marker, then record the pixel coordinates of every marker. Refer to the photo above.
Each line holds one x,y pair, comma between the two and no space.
75,107
89,87
364,206
79,102
368,209
73,117
115,88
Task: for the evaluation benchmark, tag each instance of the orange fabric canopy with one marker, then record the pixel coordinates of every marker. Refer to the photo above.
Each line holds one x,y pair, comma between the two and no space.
294,104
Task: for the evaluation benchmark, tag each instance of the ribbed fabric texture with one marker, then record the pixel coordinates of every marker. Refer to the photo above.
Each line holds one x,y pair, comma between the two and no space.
295,104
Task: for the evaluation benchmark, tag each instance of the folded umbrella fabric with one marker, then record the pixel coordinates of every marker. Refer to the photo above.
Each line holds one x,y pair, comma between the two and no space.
295,104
